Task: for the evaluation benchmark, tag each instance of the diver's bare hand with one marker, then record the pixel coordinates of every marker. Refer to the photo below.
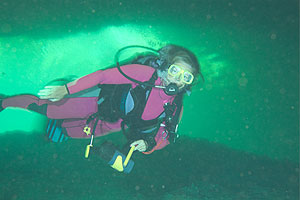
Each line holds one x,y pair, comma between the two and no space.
53,93
140,145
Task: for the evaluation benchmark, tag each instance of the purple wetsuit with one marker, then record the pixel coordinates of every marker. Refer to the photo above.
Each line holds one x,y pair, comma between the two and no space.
82,102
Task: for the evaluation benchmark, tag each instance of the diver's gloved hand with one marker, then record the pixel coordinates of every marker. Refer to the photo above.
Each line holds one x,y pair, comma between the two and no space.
53,93
140,145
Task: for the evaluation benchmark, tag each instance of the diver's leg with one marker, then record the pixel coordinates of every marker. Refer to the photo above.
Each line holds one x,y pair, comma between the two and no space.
81,107
2,97
55,132
29,102
1,108
74,128
73,108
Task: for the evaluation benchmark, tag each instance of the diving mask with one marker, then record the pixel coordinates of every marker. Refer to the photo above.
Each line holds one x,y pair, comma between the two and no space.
177,71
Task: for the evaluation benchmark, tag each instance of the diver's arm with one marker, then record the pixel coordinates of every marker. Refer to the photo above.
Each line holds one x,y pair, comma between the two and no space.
111,76
108,76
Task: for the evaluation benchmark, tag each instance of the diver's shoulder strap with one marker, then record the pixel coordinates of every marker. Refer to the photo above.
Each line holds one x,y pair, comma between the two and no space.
149,60
173,113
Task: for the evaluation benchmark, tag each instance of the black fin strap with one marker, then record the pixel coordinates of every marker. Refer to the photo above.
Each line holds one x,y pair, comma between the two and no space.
67,88
91,118
95,125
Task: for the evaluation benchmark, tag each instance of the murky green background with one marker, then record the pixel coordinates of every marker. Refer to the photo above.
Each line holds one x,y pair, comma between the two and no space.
240,129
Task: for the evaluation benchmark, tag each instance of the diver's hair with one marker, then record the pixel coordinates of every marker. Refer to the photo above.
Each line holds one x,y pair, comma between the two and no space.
171,53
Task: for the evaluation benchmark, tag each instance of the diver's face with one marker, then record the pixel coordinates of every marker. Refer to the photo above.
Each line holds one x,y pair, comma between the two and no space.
180,73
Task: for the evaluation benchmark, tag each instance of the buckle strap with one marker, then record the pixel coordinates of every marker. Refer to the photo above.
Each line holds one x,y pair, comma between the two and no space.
87,128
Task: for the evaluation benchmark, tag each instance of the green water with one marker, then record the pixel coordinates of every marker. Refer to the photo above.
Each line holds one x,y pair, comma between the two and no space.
240,129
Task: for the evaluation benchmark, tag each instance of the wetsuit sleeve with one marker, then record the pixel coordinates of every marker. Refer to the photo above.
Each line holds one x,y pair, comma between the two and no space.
111,76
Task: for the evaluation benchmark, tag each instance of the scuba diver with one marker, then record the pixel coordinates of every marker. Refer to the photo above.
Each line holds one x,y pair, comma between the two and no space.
142,98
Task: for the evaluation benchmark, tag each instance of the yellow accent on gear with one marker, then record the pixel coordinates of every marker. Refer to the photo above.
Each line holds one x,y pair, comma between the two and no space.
129,155
87,130
87,150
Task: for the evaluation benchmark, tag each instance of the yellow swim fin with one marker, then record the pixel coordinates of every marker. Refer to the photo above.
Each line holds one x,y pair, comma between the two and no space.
118,164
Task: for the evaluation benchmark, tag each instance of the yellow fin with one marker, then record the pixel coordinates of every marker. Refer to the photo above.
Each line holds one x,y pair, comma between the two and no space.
118,164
